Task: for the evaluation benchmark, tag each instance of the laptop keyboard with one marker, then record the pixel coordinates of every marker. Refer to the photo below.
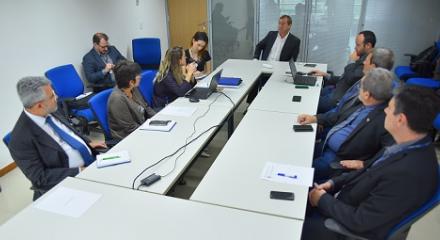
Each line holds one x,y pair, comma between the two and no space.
305,80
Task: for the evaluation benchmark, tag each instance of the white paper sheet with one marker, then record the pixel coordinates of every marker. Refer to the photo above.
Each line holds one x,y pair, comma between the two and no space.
289,174
111,159
67,201
178,111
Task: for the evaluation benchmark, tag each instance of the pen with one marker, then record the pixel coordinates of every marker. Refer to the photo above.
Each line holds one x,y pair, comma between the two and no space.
110,158
284,175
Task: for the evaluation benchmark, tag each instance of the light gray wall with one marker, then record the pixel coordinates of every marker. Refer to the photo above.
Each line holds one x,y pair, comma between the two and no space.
405,26
38,35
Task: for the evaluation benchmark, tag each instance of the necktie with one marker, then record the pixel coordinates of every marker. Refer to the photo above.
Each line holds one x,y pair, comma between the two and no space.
75,144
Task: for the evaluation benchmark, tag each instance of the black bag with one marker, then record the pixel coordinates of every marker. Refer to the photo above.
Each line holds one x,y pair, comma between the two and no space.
424,63
79,104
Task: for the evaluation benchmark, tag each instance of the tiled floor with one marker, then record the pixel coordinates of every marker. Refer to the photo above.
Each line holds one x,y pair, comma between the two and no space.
16,194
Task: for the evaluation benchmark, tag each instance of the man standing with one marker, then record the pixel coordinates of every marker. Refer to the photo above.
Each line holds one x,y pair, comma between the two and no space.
99,62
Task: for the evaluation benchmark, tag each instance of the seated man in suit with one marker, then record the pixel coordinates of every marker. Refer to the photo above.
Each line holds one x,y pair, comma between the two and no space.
99,62
378,58
278,45
394,183
361,134
330,95
43,144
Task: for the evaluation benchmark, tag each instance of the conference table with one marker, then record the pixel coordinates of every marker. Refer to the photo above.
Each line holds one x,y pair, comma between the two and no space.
120,213
231,202
146,147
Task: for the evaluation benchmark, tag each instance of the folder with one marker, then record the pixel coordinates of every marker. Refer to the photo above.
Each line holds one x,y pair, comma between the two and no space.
229,82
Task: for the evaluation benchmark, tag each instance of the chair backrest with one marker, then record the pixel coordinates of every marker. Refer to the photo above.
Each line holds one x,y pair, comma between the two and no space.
436,122
419,213
98,104
65,81
146,52
146,85
424,82
6,139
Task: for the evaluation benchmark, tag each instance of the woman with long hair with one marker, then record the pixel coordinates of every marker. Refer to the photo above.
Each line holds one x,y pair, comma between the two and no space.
174,78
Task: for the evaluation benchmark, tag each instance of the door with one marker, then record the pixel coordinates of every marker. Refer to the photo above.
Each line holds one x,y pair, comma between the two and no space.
185,17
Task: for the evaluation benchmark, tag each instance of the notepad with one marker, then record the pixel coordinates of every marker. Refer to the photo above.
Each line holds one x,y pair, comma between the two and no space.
111,159
166,128
83,95
67,201
284,173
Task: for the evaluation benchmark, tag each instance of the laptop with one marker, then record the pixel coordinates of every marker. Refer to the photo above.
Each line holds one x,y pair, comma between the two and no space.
205,92
299,79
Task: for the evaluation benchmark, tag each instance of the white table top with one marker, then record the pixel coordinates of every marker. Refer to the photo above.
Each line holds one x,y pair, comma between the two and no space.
148,147
234,178
277,94
126,214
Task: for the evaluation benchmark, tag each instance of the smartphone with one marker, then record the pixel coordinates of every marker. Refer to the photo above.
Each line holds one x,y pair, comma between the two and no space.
296,99
303,128
302,86
282,195
159,122
309,65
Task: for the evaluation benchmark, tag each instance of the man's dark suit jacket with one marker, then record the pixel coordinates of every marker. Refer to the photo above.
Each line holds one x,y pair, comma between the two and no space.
93,66
353,72
374,199
41,159
290,49
367,138
338,114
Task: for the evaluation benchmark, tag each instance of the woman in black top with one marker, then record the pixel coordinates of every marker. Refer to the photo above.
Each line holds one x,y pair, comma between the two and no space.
197,53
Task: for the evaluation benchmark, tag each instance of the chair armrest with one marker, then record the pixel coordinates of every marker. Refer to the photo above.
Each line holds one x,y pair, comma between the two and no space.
334,226
410,55
100,85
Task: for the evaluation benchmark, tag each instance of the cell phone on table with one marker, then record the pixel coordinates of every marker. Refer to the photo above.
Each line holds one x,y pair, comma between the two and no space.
282,195
159,122
309,65
296,99
302,128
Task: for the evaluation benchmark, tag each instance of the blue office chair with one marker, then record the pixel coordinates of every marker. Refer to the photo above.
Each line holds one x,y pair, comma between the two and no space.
146,85
405,72
98,105
436,122
146,52
68,85
401,230
424,82
7,139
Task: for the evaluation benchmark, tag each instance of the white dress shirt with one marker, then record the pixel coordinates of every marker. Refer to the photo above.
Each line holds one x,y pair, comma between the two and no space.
277,47
75,159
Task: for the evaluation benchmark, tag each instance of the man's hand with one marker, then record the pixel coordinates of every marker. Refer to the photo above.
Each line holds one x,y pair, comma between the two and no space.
306,119
327,186
97,144
108,67
352,164
354,56
315,195
317,72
